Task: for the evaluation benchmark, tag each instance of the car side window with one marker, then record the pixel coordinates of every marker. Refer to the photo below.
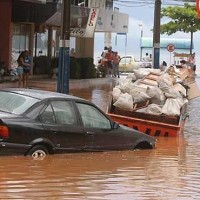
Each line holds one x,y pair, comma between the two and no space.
48,116
92,117
64,112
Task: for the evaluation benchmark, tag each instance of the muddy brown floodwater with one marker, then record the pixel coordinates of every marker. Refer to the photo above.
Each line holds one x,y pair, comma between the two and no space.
170,172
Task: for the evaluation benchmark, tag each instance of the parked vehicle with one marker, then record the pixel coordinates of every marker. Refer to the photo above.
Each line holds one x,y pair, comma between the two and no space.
38,122
129,63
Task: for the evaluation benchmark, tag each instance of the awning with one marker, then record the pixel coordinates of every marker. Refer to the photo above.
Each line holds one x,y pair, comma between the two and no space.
54,20
164,42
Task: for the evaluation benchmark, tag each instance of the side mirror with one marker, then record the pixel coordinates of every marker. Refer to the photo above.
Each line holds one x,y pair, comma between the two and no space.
115,125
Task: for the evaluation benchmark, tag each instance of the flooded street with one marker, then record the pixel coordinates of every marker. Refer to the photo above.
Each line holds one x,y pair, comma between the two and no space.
171,171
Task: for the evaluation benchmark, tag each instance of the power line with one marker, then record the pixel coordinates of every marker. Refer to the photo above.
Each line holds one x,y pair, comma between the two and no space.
137,3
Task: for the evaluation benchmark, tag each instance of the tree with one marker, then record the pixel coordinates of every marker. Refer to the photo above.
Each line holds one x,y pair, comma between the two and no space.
183,19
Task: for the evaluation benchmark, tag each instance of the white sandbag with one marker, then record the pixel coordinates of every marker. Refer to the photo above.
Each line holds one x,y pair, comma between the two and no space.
115,94
165,81
139,96
156,95
181,89
125,85
140,73
129,87
153,109
172,107
152,70
138,88
141,87
172,93
125,102
131,76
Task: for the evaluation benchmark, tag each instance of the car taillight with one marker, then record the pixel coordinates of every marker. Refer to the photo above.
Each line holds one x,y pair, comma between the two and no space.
4,132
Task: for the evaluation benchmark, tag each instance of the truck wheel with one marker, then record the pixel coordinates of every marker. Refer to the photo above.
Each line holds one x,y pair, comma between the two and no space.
38,151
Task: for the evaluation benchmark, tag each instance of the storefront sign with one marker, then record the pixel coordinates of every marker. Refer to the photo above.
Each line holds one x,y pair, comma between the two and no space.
92,20
77,32
109,21
85,21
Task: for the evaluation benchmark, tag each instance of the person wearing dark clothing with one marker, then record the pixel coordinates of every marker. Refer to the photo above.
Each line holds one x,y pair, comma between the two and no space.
26,68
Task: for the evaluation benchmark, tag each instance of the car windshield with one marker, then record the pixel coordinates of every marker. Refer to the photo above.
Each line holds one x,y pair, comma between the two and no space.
15,103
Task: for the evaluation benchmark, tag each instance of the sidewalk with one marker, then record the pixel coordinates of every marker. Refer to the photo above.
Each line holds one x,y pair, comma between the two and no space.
49,84
45,83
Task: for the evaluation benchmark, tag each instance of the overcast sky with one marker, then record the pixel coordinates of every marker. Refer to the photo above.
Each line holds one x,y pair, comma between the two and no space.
140,14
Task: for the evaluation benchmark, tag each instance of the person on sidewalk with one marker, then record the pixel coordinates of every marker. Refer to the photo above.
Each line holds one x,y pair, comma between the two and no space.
109,57
146,58
116,59
26,68
20,62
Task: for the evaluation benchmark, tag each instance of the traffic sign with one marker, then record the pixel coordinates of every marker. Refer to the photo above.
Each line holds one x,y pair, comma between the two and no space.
170,47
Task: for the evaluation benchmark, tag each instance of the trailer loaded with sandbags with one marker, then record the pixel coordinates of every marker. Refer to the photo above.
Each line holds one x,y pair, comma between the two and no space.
152,101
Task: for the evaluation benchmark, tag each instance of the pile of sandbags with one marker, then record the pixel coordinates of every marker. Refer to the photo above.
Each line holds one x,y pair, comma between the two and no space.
166,98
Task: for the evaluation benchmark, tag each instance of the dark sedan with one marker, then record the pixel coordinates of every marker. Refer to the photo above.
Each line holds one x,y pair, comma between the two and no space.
37,123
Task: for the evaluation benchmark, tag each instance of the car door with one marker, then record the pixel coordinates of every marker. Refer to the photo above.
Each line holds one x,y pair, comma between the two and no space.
61,122
100,134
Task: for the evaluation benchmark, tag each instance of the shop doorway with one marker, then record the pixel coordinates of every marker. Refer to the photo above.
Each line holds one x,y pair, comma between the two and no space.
22,39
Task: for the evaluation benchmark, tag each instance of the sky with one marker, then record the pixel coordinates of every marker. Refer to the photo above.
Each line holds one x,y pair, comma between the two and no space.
141,14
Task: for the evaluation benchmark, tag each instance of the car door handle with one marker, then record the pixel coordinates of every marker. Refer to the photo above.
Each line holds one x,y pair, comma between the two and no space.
90,133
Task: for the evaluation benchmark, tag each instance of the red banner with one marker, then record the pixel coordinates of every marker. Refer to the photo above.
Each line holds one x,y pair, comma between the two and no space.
198,7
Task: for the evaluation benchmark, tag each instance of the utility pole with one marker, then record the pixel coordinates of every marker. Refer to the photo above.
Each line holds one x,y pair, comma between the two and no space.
156,35
141,36
64,49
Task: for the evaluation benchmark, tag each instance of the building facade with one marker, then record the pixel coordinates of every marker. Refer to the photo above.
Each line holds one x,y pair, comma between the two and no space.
24,27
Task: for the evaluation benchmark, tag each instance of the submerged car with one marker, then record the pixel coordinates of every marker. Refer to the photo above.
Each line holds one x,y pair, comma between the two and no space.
38,123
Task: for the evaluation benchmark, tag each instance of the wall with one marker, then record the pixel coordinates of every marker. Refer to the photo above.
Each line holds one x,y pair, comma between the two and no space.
5,33
84,47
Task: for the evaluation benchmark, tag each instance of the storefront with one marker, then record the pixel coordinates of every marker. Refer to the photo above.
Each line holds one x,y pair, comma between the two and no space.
22,27
27,25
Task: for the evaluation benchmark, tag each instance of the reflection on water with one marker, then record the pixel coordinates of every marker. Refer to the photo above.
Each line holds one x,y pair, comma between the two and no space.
172,171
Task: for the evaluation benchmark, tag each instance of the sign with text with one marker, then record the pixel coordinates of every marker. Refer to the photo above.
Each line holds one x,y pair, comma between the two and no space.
83,21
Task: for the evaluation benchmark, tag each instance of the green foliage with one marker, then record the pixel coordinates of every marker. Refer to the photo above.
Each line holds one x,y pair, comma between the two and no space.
54,62
102,70
183,19
87,68
42,65
74,68
80,68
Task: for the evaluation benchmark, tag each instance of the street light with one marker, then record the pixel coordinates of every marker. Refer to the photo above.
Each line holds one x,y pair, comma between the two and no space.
141,35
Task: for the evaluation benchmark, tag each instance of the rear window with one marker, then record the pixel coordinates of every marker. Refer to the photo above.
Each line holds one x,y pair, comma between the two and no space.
15,103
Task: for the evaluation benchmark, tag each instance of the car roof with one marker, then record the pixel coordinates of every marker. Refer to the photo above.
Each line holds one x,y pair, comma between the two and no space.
39,94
